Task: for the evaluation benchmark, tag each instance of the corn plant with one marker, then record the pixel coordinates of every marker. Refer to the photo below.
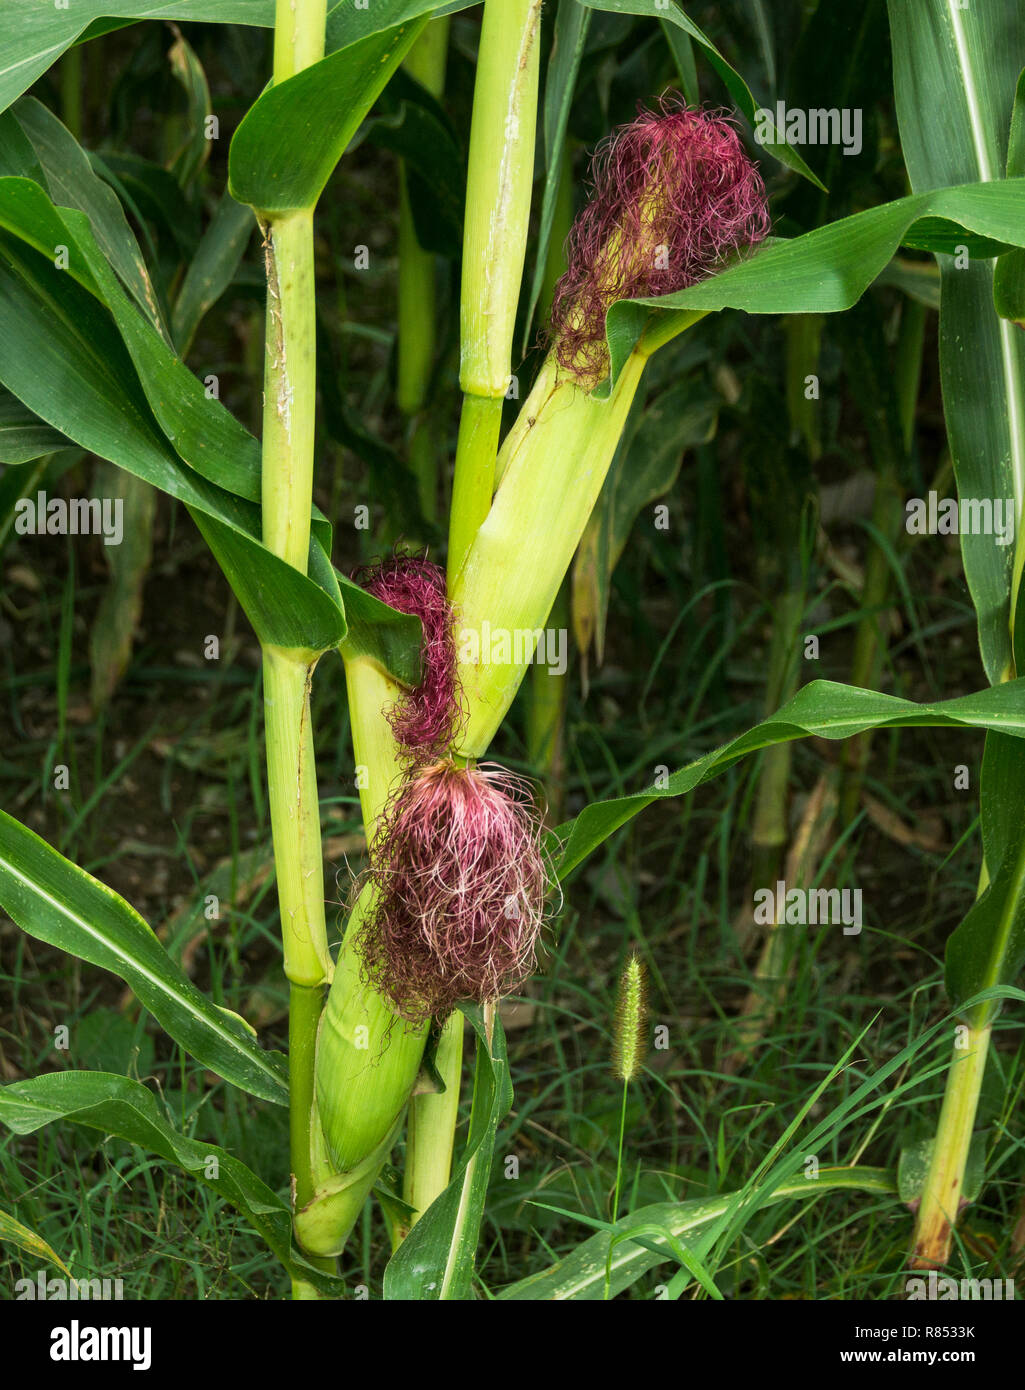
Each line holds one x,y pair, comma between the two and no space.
464,881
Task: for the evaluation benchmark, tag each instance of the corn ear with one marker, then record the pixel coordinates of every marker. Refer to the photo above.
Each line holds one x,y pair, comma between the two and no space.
324,1224
551,469
367,1060
370,692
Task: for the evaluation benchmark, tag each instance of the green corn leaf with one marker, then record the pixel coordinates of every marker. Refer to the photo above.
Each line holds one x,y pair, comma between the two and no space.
435,1261
988,948
59,903
738,89
122,395
70,181
202,431
118,1106
195,151
822,709
35,35
60,355
290,140
391,638
955,76
828,270
286,608
580,1275
117,617
23,436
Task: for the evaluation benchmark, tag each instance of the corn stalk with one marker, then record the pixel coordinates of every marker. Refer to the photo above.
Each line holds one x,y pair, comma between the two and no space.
288,437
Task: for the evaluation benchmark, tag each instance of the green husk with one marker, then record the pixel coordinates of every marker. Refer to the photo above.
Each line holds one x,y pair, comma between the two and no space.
551,469
367,1059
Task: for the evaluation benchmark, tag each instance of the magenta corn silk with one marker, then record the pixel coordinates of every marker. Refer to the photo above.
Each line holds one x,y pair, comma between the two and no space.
674,194
457,870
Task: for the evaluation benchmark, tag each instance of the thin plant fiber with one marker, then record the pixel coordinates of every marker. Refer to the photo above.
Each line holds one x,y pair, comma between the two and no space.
674,195
424,719
460,880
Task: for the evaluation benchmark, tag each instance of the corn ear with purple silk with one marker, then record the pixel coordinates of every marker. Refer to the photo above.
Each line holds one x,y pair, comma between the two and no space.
674,196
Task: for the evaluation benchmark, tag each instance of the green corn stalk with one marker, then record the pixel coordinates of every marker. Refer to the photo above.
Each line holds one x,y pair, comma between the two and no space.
288,438
499,178
430,1134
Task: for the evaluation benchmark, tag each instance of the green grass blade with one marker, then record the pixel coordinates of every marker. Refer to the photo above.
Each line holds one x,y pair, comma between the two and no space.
581,1274
964,62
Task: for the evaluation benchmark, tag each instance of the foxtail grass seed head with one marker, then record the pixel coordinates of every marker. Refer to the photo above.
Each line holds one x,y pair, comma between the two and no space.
674,194
424,719
630,1032
460,880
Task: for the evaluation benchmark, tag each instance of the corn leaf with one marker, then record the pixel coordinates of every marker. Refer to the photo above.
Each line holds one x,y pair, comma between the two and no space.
204,434
435,1261
35,35
291,138
829,269
210,271
117,398
70,181
23,436
988,948
822,709
54,900
955,75
118,1106
61,355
